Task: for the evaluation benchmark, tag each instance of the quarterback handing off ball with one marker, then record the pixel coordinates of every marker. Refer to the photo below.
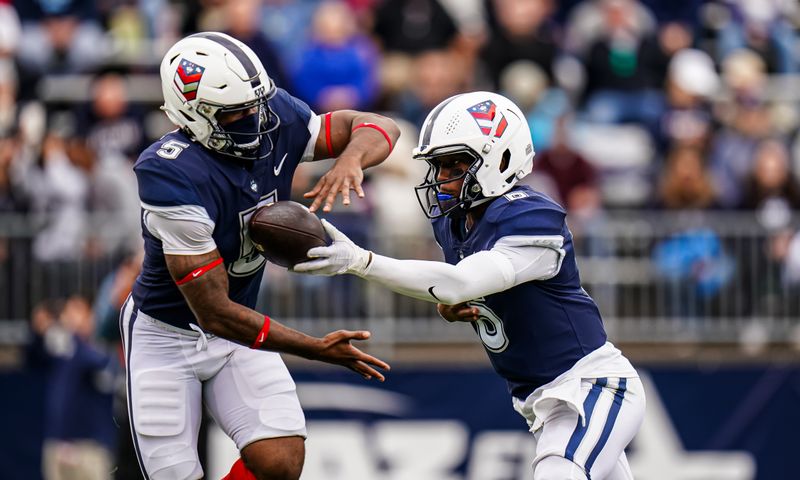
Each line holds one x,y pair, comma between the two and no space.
284,231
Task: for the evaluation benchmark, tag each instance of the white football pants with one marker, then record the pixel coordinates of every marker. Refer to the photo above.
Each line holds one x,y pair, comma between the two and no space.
172,373
592,448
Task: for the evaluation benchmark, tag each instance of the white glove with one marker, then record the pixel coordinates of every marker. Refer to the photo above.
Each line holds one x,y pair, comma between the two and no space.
341,256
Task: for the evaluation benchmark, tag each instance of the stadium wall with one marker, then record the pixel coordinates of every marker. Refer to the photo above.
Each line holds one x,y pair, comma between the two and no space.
709,421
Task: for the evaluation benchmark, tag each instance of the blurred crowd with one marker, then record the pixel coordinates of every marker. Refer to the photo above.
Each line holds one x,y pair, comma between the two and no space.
632,104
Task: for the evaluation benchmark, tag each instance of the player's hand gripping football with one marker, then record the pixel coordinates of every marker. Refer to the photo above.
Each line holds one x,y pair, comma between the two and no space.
345,175
460,312
337,349
341,256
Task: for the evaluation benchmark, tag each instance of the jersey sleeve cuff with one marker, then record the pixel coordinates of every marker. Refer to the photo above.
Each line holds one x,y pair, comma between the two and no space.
314,125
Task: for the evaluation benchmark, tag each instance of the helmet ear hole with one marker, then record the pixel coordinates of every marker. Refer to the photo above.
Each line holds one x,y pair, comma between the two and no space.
503,167
505,161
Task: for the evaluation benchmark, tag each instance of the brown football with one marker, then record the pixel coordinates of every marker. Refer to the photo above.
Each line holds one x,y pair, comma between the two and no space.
284,231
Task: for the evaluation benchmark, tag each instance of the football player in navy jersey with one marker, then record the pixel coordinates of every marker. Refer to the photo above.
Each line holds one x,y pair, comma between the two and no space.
191,336
510,271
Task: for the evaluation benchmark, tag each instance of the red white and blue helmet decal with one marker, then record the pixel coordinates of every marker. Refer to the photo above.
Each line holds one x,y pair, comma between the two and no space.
187,78
501,126
484,113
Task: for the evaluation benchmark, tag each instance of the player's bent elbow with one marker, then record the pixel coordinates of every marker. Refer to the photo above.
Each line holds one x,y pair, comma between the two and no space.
211,322
452,297
463,291
392,129
206,323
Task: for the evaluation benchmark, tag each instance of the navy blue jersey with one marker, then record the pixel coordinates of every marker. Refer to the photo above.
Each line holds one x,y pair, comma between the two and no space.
537,330
176,171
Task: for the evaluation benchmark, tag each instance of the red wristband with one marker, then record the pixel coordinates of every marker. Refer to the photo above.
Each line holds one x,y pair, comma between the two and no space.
328,117
199,272
262,335
378,128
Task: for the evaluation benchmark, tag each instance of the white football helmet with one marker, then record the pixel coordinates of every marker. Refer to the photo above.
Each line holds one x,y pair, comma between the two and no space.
487,128
208,73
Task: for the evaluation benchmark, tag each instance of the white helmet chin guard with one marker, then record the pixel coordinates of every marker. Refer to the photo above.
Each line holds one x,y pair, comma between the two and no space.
487,129
209,73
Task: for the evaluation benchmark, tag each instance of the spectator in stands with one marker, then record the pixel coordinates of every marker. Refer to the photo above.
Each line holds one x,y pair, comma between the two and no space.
243,19
524,30
745,73
8,98
11,199
112,126
127,29
113,199
408,29
746,121
691,82
59,190
337,69
9,41
573,176
79,429
771,188
287,24
9,31
586,23
697,267
435,76
527,84
733,151
570,179
763,27
625,68
413,26
68,183
685,182
60,37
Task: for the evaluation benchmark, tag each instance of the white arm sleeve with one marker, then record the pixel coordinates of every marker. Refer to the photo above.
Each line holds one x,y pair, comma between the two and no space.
183,230
513,260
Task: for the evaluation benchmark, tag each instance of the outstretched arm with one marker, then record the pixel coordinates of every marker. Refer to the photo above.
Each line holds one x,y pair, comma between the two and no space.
512,261
357,140
207,295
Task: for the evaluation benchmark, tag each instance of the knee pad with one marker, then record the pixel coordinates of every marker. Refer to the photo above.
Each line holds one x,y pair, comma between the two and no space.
165,443
173,461
557,468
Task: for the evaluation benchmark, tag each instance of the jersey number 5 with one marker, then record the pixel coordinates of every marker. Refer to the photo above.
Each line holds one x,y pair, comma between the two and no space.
490,328
171,149
249,260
